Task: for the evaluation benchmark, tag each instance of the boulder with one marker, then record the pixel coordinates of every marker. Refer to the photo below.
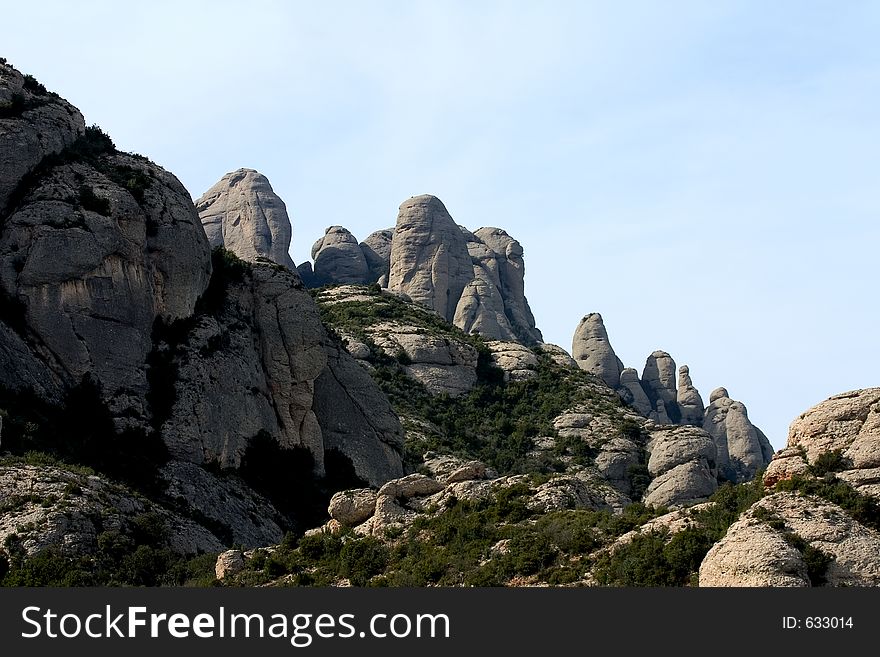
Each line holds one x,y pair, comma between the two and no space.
352,507
242,213
683,485
557,354
673,446
414,485
229,563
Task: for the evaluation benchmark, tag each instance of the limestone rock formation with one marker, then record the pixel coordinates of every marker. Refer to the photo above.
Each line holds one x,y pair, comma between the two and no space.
92,262
758,549
356,419
430,263
338,259
690,403
557,354
632,393
516,361
352,507
377,253
244,214
742,448
592,351
226,501
511,273
848,422
682,462
46,506
658,381
34,123
438,362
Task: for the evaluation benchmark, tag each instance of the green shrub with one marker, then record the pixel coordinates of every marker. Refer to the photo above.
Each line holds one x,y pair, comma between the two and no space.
828,462
35,87
92,202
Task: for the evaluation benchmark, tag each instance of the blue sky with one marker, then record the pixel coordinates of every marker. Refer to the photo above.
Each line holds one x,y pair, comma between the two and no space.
705,175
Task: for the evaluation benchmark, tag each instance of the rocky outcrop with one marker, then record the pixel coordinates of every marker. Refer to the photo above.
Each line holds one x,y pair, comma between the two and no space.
248,518
742,448
34,123
430,263
356,419
592,351
338,259
377,253
658,381
92,262
438,362
242,213
765,547
848,423
690,404
682,462
516,361
352,507
511,273
632,393
47,506
557,354
266,341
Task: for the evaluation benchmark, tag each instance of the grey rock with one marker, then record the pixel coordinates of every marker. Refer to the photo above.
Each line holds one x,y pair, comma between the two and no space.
227,501
91,285
47,125
742,448
567,492
557,354
357,420
683,485
252,369
631,391
516,361
430,262
658,381
511,273
307,274
352,507
377,253
49,506
753,553
339,259
673,446
689,401
242,213
593,352
718,393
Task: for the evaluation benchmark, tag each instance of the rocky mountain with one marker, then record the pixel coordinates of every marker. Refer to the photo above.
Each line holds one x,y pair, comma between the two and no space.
177,406
473,280
199,370
741,449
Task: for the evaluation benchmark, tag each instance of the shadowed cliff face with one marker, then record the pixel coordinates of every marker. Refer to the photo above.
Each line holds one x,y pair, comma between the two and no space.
106,275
